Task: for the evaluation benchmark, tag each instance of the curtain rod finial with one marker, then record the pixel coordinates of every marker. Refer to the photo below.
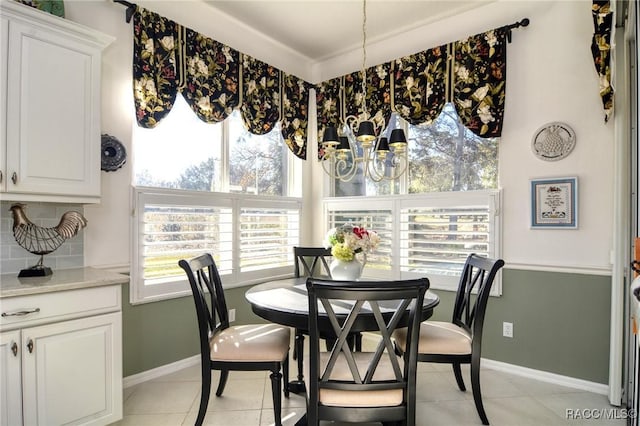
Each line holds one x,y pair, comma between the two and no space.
524,22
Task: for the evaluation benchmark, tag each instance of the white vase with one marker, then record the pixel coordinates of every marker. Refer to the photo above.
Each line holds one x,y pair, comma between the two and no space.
345,271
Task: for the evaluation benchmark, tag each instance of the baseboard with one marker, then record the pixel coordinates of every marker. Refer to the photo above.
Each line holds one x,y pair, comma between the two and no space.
160,371
545,376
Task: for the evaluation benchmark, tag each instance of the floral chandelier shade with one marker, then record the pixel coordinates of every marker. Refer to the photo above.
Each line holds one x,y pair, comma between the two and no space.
471,73
214,79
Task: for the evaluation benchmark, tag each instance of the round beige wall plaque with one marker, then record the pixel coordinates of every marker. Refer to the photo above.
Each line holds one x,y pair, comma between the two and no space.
553,141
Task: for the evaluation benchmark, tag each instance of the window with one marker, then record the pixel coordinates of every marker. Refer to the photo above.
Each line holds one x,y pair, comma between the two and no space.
446,156
211,188
443,156
426,234
444,208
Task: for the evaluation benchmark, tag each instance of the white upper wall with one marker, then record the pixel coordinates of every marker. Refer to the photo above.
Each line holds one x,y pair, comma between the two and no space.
550,77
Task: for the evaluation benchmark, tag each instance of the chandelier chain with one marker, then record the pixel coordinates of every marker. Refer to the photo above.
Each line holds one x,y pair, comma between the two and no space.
364,58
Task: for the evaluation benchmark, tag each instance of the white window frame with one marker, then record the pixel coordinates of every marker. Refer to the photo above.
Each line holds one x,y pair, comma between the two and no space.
397,203
142,293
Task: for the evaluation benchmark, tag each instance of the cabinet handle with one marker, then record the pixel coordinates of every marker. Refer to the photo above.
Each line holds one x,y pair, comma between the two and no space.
14,178
1,176
30,346
14,348
20,313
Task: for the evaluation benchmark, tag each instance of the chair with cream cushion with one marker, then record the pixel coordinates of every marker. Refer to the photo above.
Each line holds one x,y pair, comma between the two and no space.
367,386
252,347
460,341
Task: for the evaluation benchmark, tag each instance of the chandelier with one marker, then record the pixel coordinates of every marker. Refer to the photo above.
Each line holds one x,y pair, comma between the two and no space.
360,142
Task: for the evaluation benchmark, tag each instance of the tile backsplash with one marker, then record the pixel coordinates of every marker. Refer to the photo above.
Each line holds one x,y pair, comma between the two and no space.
13,258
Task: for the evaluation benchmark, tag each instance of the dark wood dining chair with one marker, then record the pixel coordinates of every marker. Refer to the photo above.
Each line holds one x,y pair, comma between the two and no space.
365,386
311,262
460,341
251,347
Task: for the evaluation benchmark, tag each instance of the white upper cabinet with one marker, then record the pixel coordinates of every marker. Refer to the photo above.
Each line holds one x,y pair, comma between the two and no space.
51,119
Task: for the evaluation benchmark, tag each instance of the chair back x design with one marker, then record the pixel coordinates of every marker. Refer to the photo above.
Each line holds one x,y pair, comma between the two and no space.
311,258
365,386
226,348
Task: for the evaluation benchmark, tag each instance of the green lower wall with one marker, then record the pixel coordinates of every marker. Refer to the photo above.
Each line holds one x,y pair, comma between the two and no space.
159,333
560,322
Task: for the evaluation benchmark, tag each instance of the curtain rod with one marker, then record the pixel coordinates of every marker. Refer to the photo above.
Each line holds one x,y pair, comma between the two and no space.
522,23
131,8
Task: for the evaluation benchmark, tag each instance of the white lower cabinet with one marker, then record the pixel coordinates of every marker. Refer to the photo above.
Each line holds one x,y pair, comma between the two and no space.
62,373
11,382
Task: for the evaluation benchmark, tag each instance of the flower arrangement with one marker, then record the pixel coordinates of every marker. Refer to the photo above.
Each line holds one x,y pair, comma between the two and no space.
347,240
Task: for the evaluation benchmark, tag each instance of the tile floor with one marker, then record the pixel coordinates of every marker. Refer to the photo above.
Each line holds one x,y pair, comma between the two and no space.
509,400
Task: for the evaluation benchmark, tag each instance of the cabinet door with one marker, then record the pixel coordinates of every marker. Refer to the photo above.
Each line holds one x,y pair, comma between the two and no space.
53,117
4,43
72,372
10,385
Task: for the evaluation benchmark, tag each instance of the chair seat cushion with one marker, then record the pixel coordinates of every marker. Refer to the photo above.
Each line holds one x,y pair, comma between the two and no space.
346,398
437,337
252,342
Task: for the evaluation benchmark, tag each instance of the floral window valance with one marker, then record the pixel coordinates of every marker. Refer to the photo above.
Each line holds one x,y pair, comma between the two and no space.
471,73
601,51
214,79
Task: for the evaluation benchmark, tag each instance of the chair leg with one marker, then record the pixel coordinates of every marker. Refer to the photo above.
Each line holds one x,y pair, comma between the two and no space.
205,392
276,377
475,386
298,335
285,376
457,371
224,375
359,342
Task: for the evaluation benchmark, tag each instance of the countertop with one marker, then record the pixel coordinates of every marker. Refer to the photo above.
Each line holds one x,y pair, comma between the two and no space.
60,280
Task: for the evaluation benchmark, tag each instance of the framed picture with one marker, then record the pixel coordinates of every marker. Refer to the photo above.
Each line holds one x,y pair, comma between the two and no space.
554,203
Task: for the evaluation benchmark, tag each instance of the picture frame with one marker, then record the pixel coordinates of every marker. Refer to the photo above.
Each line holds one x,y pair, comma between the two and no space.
554,203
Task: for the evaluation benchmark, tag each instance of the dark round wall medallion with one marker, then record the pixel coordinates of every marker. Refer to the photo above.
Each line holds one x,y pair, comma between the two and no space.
114,155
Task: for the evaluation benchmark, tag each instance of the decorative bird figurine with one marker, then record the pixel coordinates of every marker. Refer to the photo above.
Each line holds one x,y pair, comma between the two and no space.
39,240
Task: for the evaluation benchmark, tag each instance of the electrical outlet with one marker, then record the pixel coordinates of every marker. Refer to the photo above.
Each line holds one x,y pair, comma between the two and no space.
507,329
232,315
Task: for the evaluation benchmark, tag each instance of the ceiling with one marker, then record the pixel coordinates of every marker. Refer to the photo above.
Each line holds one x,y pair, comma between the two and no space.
321,29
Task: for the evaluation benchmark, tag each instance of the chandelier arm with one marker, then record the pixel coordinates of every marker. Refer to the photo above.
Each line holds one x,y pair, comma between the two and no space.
338,168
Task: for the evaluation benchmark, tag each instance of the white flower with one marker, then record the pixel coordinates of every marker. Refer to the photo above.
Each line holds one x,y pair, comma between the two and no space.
150,87
203,103
148,46
167,42
226,51
409,82
481,92
251,87
491,38
466,104
382,73
202,67
463,73
485,114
